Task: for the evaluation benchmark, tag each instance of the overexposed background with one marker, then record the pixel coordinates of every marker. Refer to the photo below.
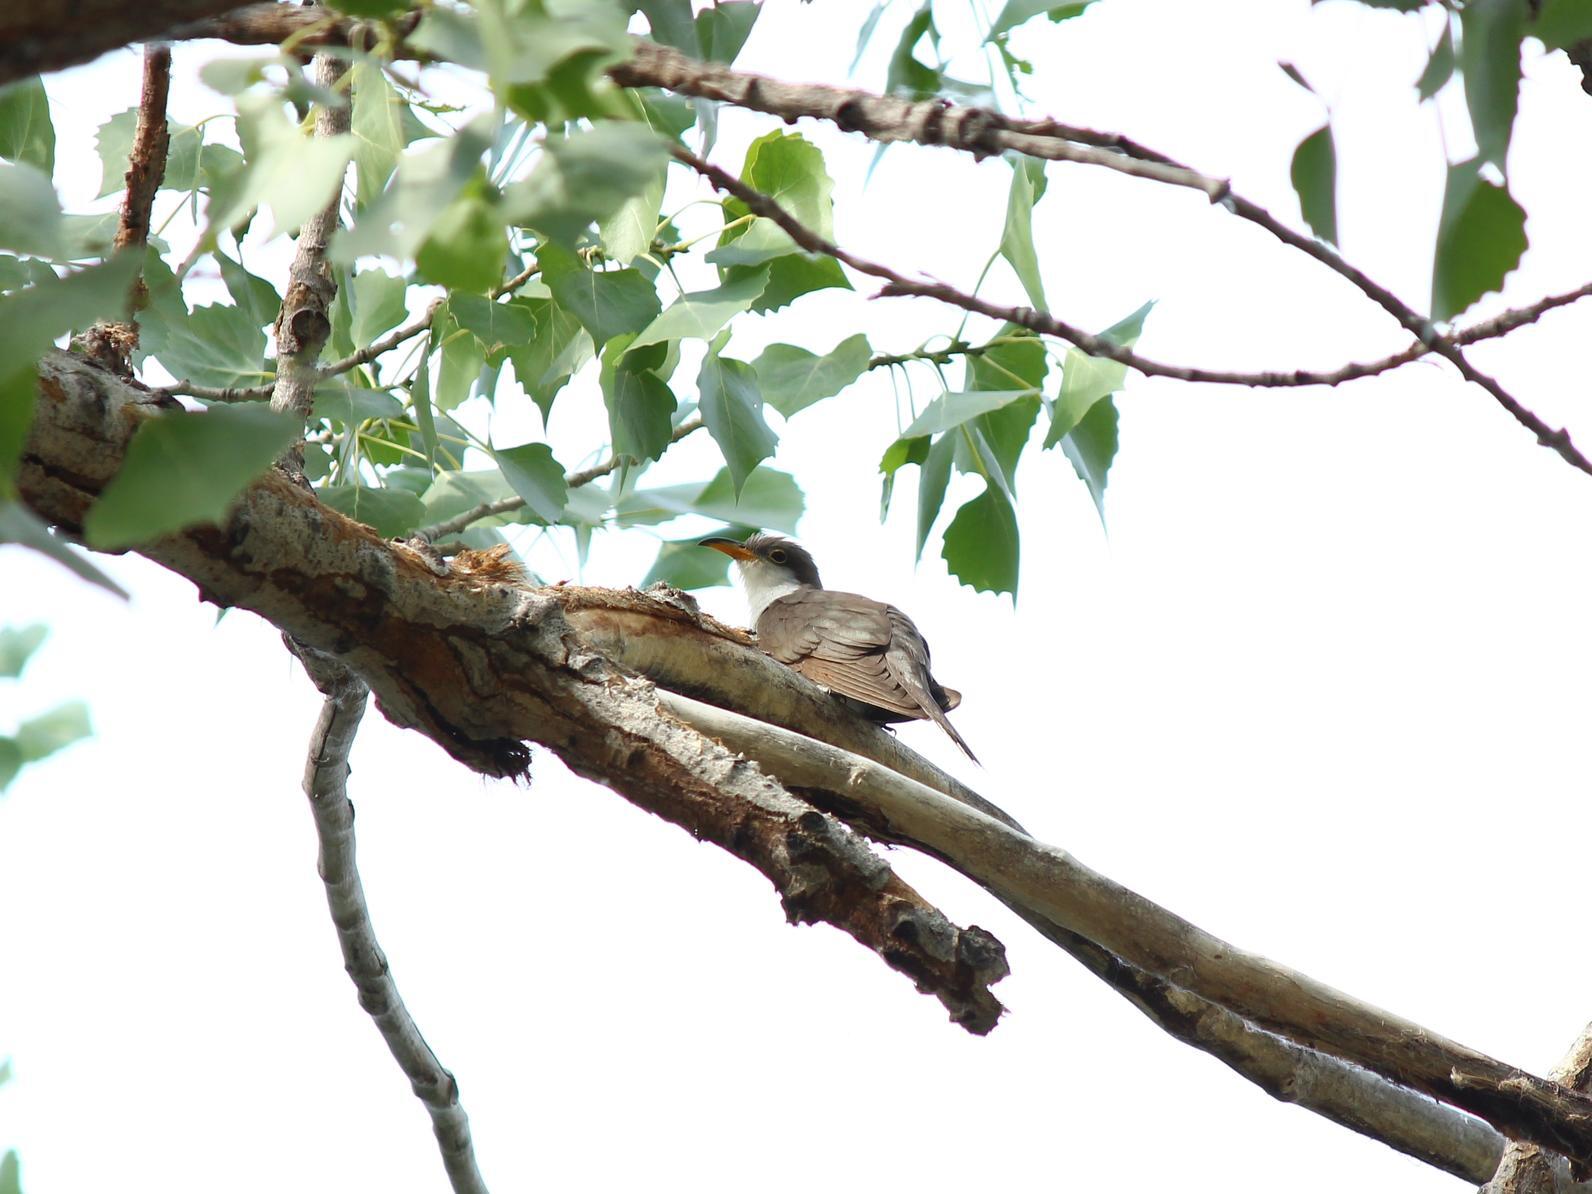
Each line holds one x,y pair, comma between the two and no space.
1320,691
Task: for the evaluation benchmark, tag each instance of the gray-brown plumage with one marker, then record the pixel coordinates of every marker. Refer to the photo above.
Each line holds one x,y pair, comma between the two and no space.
861,649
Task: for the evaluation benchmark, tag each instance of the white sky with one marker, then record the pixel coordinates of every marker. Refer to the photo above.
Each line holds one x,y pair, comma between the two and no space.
1319,692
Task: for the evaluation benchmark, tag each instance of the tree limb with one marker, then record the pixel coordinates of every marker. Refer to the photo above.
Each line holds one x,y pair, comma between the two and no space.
326,785
1042,880
1527,1168
303,324
481,666
899,284
111,342
45,35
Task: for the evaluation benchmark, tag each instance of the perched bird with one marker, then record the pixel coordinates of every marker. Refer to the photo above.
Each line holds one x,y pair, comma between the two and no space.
859,648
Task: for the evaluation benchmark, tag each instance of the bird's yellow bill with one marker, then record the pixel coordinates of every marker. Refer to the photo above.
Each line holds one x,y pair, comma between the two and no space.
729,547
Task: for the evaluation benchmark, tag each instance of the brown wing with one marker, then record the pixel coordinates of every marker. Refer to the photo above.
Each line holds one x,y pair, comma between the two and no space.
859,648
839,640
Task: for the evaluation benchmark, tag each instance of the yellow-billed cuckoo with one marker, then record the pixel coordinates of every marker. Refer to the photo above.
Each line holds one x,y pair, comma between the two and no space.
859,648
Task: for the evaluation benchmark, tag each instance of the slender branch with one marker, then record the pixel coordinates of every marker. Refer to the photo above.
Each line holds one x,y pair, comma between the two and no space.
303,324
452,526
111,342
1044,881
326,784
386,344
1046,324
217,393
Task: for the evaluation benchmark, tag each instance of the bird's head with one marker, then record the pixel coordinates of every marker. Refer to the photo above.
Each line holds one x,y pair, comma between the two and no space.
766,561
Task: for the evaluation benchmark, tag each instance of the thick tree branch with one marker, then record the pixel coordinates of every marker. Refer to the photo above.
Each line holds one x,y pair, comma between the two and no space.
44,35
1527,1168
480,666
1044,881
326,784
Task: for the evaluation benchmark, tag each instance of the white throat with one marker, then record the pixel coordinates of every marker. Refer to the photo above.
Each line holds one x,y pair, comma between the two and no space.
764,584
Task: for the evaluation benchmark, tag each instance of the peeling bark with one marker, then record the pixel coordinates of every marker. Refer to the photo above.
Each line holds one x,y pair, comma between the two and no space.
481,666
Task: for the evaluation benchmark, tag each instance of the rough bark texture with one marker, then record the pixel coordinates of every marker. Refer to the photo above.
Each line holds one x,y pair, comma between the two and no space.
481,666
1042,880
44,35
1528,1168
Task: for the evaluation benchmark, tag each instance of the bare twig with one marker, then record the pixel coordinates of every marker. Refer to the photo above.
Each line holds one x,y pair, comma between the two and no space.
899,284
326,784
386,344
452,526
189,389
1044,881
111,342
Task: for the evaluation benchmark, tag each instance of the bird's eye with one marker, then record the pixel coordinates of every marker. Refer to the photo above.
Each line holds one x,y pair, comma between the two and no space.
777,555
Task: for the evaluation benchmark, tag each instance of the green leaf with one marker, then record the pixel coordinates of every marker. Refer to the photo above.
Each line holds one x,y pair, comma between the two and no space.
1315,180
1087,380
114,144
41,736
789,278
452,493
672,24
256,299
398,221
30,320
1091,446
376,305
685,565
352,404
723,28
499,326
906,75
770,500
790,170
21,526
629,231
980,545
608,304
420,403
536,477
10,764
1489,55
934,475
30,213
640,404
585,177
391,512
369,8
284,169
214,346
732,407
1017,12
1561,24
703,313
463,358
1017,240
183,469
1480,238
950,410
377,125
1439,67
17,645
557,348
465,246
26,134
792,379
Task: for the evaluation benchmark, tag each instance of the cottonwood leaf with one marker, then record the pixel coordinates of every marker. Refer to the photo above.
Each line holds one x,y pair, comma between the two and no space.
182,469
792,378
536,477
732,407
